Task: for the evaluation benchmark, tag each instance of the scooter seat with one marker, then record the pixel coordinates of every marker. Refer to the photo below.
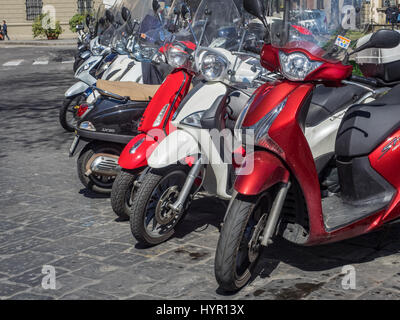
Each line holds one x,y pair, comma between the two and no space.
134,91
328,101
366,126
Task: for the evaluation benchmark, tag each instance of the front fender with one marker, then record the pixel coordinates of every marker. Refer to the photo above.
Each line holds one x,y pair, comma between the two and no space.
78,88
144,146
267,171
175,147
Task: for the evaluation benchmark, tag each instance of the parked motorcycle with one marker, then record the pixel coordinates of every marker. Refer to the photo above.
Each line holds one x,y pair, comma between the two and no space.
115,118
284,192
125,63
156,119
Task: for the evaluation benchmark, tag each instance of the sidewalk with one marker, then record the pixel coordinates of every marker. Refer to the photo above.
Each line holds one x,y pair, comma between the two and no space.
41,43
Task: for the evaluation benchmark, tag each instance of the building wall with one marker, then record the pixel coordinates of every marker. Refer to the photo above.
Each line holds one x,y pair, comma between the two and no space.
14,12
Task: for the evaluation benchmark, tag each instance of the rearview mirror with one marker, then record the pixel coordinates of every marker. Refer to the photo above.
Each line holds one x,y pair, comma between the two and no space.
156,6
255,8
384,39
185,12
125,13
88,20
109,16
79,27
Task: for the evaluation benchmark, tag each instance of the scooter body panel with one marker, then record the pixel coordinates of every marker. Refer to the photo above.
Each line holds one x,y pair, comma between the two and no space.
116,117
77,89
137,151
155,123
134,74
267,171
117,68
175,147
83,72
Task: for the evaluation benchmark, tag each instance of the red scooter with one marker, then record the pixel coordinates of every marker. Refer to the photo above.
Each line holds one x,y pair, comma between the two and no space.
155,124
278,189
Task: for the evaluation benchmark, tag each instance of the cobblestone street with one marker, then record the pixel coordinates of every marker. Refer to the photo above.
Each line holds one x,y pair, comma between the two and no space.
47,218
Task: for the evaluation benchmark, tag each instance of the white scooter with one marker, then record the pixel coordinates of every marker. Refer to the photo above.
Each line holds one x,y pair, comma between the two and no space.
164,193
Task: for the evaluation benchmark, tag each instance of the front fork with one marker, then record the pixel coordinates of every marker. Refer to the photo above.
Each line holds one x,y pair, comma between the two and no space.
179,206
273,217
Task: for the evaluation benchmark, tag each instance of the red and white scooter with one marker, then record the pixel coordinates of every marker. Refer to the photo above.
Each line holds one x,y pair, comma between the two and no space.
283,195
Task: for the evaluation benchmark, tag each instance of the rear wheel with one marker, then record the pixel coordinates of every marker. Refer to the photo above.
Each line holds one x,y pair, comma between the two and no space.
239,244
152,221
122,193
97,183
68,113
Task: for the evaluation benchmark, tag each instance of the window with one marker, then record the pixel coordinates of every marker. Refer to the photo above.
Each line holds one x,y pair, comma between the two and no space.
85,6
320,4
33,9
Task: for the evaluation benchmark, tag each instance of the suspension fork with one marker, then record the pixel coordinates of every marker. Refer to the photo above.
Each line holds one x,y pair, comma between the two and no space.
194,172
274,215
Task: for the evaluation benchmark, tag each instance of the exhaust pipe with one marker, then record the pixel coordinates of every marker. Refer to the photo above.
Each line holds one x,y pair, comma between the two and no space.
103,164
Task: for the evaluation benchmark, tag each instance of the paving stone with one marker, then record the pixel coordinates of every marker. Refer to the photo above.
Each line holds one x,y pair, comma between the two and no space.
20,246
9,289
25,261
380,294
85,294
122,284
48,224
30,296
95,270
155,269
17,235
68,245
106,250
6,225
73,262
106,231
284,289
188,254
59,233
182,285
142,297
124,260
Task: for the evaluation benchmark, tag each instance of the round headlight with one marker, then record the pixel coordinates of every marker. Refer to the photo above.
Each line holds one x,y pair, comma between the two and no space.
213,66
177,56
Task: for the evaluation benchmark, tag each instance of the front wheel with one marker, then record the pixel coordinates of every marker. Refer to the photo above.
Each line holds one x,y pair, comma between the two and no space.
239,243
122,194
152,220
68,112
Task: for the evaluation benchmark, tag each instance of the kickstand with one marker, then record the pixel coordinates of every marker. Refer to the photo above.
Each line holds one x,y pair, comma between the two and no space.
384,234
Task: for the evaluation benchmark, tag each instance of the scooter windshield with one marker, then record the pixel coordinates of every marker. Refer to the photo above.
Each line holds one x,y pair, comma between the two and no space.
326,33
113,19
216,24
135,10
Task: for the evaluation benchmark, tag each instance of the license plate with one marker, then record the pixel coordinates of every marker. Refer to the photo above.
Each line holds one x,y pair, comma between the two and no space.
74,145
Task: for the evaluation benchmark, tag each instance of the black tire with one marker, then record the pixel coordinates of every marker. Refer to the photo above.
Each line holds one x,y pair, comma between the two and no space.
101,185
146,199
121,194
239,219
67,114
